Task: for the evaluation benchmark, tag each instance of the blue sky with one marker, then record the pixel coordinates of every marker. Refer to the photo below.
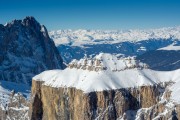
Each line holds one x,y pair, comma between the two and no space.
94,14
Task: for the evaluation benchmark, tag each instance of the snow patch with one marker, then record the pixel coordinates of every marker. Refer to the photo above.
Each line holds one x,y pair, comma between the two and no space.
170,47
175,88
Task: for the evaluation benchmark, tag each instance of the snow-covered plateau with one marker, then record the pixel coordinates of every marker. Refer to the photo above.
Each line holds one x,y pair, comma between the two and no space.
116,84
107,72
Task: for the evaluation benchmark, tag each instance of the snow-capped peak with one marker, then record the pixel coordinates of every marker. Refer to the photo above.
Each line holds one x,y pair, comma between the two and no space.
105,61
90,80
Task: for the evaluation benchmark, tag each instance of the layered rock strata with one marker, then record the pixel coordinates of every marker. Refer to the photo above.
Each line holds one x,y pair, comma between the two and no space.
70,103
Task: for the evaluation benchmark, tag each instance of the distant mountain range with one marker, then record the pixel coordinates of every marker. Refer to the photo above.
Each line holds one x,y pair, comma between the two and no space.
74,44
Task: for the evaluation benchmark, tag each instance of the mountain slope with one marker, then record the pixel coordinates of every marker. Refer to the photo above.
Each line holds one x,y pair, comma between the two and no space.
164,59
26,50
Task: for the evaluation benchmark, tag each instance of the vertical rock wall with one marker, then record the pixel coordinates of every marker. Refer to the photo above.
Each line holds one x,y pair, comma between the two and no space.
69,103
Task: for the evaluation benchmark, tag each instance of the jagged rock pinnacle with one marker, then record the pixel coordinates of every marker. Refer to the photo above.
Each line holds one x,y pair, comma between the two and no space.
26,50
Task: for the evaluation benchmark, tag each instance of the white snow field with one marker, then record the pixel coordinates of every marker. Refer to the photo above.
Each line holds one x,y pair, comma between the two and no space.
119,73
170,47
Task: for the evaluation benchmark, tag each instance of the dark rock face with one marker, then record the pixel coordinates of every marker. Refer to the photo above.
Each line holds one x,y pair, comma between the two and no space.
70,103
142,103
26,50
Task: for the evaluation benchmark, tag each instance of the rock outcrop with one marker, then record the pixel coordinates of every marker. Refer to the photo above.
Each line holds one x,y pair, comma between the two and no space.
16,109
69,103
26,50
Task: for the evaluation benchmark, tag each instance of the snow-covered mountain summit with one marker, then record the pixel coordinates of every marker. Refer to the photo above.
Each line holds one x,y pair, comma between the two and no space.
107,62
105,72
26,50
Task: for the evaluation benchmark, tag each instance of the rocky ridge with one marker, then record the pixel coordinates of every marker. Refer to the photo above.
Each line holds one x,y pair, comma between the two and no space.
97,63
26,50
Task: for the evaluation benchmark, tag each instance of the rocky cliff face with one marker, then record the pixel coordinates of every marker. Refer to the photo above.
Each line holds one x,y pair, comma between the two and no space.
69,103
26,50
16,108
104,88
